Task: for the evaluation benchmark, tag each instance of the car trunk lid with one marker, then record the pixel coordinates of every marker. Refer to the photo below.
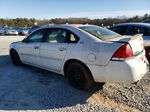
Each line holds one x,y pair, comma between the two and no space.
136,42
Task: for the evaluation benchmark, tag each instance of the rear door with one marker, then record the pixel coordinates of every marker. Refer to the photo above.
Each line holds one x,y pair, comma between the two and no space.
53,50
55,47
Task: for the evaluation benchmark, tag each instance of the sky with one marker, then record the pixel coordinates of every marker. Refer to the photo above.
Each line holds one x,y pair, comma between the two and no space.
48,9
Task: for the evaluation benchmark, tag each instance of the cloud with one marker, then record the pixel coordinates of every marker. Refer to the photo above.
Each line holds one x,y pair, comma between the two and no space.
104,14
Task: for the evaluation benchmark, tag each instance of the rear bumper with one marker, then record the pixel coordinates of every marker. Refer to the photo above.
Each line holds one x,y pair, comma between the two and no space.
129,71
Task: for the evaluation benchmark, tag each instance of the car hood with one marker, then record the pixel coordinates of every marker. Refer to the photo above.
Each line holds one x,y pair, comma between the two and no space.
15,43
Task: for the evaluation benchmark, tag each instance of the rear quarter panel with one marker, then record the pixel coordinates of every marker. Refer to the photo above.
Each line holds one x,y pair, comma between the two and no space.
100,52
103,52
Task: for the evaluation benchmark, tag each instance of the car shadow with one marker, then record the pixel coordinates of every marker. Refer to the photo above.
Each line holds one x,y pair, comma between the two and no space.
31,88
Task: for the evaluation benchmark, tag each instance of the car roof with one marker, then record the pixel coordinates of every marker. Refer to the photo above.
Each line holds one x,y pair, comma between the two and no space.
71,27
133,24
67,25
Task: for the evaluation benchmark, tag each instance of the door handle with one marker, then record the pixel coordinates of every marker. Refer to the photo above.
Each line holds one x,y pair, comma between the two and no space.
62,49
36,47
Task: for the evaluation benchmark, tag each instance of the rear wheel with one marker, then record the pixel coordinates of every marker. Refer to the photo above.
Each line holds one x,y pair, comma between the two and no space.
147,49
15,58
79,76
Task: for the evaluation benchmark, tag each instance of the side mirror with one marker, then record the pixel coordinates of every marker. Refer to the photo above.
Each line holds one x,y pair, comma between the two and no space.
25,40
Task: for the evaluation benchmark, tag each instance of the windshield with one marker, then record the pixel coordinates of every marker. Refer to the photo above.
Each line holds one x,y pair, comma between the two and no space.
99,32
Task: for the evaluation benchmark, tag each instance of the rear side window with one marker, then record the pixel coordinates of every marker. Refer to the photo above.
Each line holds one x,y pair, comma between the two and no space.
72,38
119,29
57,35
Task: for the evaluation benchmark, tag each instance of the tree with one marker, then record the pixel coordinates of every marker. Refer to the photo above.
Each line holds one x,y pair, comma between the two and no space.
22,22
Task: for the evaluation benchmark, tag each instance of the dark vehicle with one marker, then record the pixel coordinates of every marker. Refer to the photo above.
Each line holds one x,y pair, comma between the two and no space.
135,28
33,28
146,21
2,31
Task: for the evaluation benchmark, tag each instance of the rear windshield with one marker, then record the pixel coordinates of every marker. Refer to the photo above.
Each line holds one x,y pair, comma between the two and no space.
101,33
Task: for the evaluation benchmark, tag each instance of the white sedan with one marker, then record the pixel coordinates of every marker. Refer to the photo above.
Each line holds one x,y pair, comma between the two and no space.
84,53
11,32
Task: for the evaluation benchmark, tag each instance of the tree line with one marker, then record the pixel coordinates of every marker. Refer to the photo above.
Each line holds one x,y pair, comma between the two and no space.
25,22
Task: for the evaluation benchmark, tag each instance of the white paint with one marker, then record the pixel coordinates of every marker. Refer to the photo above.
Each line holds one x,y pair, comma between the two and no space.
102,69
91,57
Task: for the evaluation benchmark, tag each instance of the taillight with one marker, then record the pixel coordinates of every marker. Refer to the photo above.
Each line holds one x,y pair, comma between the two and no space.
123,52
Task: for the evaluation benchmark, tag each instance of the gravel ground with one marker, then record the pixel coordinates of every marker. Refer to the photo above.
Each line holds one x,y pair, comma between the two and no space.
26,88
30,88
135,95
5,42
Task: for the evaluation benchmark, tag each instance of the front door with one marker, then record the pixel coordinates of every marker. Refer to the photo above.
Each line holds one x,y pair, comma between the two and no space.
30,49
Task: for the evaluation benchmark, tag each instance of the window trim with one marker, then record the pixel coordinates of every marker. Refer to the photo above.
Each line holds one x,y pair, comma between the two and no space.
121,26
26,40
68,31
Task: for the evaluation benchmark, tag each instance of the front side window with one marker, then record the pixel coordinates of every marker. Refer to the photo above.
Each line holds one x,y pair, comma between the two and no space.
99,32
36,36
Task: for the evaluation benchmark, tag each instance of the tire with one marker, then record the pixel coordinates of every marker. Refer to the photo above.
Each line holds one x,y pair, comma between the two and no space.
79,76
147,49
15,58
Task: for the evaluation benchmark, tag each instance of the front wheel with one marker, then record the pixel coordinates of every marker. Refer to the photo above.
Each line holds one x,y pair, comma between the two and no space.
15,58
79,76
